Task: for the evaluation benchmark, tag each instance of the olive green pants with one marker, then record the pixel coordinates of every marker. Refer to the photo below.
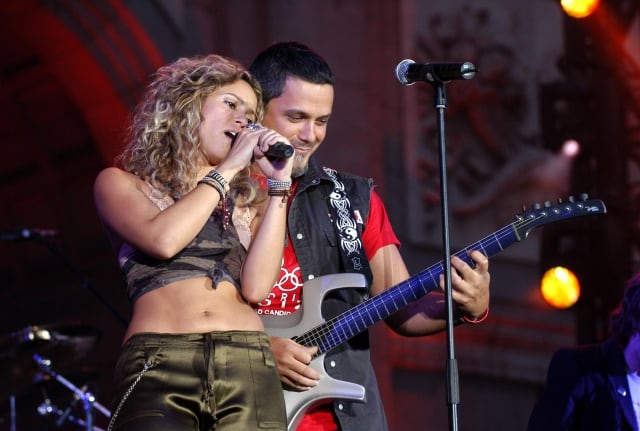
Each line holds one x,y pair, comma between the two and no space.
214,381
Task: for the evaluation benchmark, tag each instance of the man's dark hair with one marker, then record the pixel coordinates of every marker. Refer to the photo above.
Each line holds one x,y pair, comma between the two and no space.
625,319
276,63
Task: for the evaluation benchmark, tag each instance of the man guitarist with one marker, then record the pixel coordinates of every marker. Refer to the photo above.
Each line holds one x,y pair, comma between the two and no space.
338,224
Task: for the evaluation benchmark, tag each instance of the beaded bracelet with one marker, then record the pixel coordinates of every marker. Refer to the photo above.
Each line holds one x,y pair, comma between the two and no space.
279,188
477,320
216,180
278,184
216,185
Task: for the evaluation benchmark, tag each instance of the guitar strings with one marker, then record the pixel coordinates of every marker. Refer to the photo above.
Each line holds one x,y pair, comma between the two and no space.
336,330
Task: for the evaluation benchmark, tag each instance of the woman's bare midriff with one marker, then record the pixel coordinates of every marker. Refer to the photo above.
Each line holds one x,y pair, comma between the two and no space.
193,306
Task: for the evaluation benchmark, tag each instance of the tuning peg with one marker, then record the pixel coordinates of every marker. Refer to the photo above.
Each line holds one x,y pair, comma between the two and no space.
547,204
536,206
571,199
560,201
584,196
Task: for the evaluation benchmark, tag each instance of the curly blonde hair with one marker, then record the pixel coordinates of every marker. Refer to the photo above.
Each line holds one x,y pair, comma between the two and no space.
163,147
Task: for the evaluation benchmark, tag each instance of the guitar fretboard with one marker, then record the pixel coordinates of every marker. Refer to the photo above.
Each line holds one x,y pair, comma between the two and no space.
354,321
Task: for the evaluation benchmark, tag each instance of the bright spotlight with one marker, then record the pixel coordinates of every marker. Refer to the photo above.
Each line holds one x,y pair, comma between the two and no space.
579,8
560,287
571,148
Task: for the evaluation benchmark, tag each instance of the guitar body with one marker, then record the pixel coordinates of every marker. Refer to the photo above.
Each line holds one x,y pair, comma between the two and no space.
314,291
308,327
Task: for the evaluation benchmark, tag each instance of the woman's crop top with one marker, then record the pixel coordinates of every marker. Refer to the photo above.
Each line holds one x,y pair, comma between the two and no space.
216,252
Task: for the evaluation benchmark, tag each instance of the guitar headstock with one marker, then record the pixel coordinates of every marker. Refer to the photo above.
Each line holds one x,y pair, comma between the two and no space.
539,215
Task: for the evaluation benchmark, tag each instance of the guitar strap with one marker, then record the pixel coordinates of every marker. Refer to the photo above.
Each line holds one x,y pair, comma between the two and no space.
346,222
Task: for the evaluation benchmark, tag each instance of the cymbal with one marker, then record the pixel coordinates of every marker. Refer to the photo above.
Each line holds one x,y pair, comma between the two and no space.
62,344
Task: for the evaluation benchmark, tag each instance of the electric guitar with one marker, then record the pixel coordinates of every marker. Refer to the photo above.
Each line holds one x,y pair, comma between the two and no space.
309,328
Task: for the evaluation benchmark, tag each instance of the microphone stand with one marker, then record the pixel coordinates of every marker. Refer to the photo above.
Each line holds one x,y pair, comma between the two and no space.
408,72
453,396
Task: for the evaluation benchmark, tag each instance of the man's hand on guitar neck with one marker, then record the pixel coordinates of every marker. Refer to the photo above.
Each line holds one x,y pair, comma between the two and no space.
292,360
470,285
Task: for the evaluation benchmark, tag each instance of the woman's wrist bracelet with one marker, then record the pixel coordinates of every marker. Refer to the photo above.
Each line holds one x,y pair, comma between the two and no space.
279,188
216,180
278,184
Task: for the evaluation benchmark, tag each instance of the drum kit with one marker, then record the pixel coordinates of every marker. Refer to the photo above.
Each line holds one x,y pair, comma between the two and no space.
30,357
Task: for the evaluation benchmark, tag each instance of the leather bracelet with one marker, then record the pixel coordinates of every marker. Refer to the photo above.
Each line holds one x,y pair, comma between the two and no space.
216,180
279,188
216,185
216,176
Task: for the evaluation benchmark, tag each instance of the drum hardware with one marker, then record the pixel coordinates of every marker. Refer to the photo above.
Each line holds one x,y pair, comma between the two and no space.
62,343
65,344
87,398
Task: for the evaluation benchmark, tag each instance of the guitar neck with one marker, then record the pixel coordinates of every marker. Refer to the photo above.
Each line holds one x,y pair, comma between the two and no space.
347,325
330,334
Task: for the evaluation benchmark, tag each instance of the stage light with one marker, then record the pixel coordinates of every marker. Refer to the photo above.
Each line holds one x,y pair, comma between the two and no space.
579,8
560,287
570,148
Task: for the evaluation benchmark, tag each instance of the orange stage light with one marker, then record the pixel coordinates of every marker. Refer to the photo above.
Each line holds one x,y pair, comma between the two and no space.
579,8
560,287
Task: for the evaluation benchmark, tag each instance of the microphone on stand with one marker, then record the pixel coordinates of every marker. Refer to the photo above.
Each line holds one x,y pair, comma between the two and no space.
25,233
409,72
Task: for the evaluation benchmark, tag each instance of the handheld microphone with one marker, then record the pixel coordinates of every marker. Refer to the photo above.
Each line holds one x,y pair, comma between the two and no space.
409,72
280,150
24,233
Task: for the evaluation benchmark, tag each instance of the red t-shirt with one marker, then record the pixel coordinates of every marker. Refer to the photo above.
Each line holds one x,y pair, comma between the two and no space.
286,296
